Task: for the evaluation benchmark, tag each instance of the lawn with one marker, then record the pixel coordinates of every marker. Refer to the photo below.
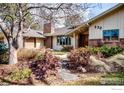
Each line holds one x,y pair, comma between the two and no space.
99,79
57,52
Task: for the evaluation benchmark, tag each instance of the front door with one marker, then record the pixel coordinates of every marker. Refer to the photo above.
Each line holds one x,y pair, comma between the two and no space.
83,40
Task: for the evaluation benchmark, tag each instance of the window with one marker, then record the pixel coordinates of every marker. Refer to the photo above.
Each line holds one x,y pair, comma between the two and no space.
63,40
109,35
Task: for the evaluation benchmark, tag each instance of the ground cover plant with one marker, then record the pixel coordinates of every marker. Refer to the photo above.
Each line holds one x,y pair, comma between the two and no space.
20,74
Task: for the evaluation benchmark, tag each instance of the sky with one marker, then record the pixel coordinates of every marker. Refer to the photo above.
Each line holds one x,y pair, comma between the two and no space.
101,8
92,12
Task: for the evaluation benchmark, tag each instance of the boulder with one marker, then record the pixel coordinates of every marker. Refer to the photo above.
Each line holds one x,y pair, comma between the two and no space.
81,69
100,65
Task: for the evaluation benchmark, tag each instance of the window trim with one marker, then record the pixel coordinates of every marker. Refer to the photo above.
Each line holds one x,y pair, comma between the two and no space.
111,36
67,40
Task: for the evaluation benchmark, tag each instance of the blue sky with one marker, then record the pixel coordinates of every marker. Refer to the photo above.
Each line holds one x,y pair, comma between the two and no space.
92,12
99,9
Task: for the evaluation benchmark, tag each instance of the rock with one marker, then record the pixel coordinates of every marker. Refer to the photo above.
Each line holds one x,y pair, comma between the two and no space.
66,75
116,62
99,63
81,69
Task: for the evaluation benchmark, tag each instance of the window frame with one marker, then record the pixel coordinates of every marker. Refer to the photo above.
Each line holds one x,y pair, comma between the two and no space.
110,37
67,40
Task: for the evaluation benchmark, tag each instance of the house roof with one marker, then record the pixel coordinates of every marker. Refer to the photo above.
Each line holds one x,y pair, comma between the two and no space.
106,12
98,16
59,31
29,33
33,33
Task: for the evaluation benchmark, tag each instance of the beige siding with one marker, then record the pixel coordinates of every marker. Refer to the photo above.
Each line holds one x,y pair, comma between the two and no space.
73,40
39,43
55,46
59,47
114,20
30,43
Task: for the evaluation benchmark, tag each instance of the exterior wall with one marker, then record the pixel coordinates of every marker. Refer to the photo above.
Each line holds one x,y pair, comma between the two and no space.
48,42
95,42
73,40
114,20
55,46
39,43
47,28
31,43
59,47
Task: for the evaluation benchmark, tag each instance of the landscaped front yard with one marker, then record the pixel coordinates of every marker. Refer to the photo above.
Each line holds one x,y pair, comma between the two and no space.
83,66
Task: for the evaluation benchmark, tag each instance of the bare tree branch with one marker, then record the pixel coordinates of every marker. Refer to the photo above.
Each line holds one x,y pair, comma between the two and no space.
43,6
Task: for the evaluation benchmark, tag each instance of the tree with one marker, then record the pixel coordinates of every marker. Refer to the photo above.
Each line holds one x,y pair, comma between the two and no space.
78,16
16,17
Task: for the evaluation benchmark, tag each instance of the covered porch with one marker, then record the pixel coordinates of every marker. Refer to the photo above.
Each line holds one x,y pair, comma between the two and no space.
80,36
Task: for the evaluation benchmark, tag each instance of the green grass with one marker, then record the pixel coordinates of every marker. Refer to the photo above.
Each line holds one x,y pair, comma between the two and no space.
113,78
114,75
56,52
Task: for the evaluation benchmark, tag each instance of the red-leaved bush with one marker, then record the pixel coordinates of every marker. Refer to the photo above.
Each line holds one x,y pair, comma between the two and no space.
79,57
46,66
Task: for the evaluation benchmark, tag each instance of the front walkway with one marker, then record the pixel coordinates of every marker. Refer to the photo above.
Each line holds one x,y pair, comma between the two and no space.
65,74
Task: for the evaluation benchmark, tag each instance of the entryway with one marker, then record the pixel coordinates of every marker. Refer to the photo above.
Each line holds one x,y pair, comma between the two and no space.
82,40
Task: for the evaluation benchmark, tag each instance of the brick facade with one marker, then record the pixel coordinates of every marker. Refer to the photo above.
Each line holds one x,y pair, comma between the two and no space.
47,28
95,42
122,42
100,42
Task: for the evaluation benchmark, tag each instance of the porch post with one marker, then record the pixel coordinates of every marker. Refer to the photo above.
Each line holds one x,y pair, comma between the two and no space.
74,41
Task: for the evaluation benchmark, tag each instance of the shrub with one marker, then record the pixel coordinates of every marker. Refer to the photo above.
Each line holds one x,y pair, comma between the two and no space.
94,50
108,51
3,53
27,53
42,68
39,56
3,48
20,74
67,48
79,57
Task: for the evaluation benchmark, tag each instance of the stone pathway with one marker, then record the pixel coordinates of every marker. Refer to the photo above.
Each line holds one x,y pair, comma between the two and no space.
66,75
63,57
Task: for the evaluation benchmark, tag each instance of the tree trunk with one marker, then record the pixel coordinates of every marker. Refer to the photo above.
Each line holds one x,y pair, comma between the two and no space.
20,40
13,55
13,47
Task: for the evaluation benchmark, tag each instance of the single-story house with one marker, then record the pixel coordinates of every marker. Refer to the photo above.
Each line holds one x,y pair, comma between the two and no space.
33,39
105,28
